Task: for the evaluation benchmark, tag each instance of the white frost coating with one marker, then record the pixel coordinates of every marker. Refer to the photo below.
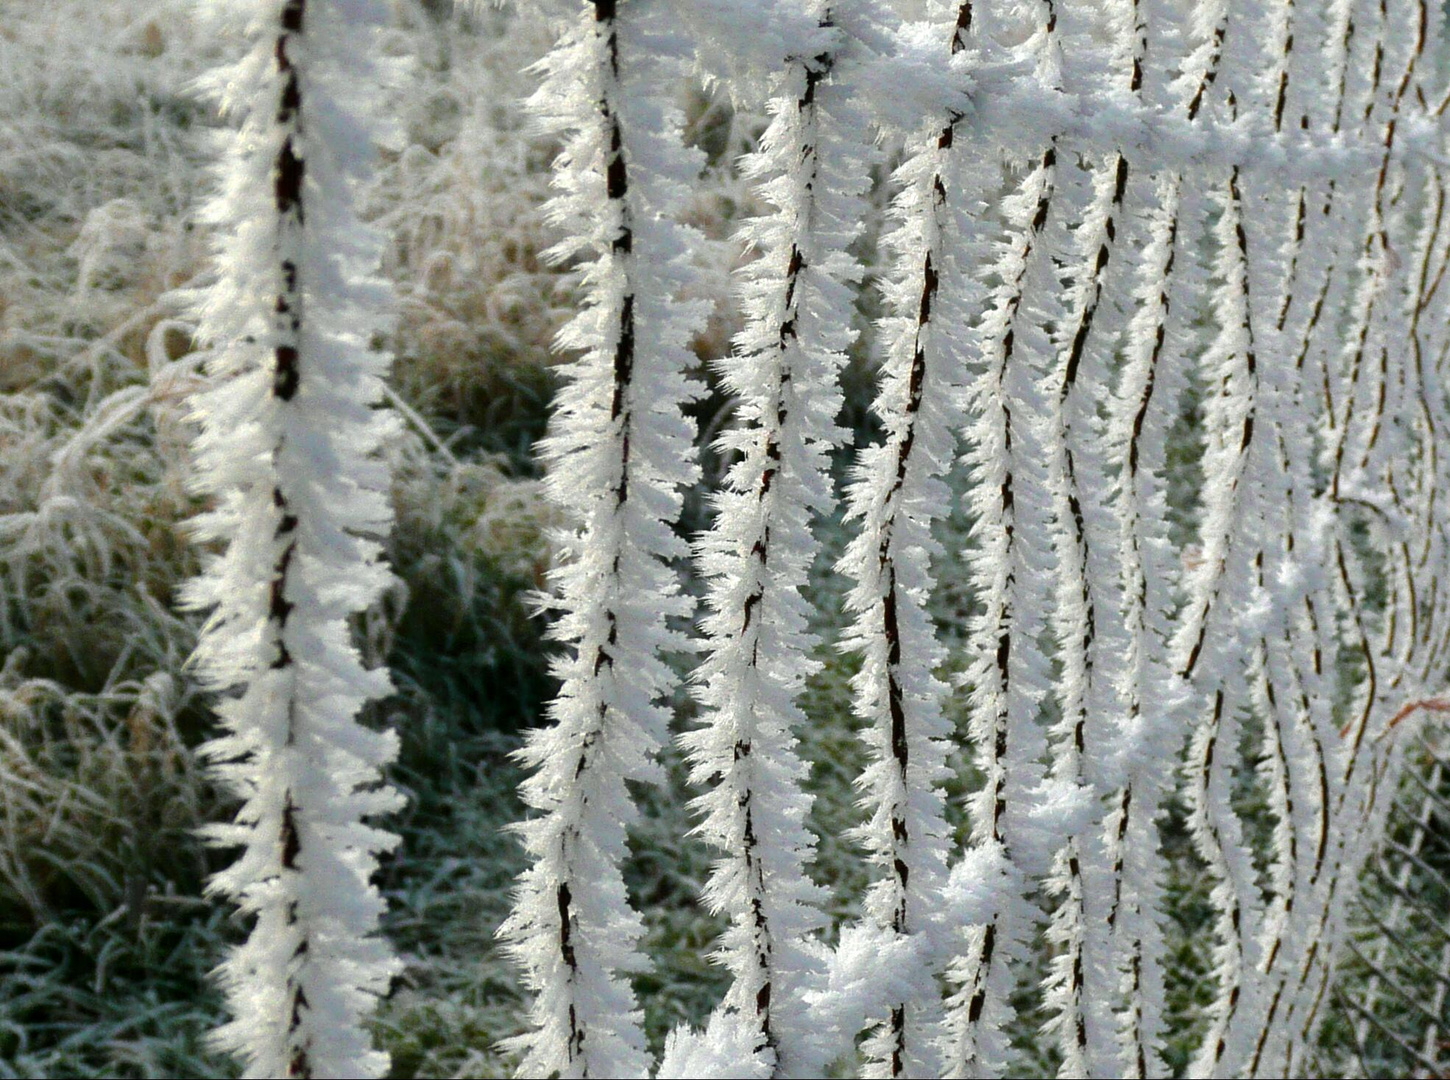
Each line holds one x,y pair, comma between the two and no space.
812,169
1359,393
1320,246
288,451
744,44
871,967
1303,82
1249,489
619,452
1142,413
1147,403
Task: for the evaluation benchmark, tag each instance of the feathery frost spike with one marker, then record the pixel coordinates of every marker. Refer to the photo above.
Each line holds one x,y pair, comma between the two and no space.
896,494
619,452
1299,140
1315,89
812,169
1225,605
289,452
1152,385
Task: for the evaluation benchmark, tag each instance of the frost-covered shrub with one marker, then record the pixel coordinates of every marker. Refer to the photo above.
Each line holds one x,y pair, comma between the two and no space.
1120,226
1033,242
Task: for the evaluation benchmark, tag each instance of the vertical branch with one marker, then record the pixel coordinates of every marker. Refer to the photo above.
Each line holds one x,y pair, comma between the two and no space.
1285,665
897,496
1392,299
1008,671
1276,700
1081,624
813,168
1215,648
289,450
1318,280
1306,644
1078,991
1427,340
1142,416
1152,385
1232,362
619,453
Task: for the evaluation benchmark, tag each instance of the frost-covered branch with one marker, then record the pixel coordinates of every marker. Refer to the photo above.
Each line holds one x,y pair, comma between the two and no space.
1142,415
1237,206
1215,642
619,452
1079,990
812,169
1300,751
1373,215
896,495
289,452
1008,673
